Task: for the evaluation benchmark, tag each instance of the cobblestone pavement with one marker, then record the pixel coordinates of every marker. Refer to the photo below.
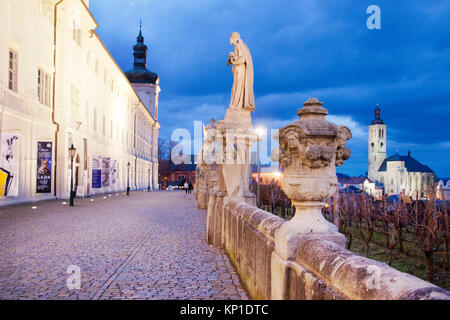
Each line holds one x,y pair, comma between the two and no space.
145,246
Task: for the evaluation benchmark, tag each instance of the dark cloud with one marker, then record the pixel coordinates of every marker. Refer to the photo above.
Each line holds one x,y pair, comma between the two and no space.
300,49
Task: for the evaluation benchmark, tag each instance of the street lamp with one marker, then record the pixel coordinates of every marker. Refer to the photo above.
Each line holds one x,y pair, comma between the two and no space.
72,152
148,188
260,132
128,178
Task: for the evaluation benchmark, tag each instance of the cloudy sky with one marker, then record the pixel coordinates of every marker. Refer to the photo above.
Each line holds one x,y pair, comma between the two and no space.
300,49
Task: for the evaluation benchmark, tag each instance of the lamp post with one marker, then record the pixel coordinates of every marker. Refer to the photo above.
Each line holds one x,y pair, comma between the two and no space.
260,132
128,178
148,188
72,151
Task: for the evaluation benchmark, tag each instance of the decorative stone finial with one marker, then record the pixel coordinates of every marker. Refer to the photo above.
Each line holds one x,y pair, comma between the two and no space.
310,149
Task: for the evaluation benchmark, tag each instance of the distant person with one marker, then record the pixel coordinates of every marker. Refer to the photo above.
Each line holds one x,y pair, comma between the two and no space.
186,187
190,188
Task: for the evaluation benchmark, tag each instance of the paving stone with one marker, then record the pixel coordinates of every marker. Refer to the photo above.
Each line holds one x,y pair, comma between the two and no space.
145,246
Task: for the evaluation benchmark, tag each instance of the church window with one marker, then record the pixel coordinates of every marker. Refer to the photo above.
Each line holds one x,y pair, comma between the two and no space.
381,144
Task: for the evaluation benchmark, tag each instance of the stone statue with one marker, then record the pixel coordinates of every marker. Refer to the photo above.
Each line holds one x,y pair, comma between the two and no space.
242,97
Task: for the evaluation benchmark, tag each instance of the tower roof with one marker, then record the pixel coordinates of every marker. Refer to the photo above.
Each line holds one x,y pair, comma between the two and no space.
140,73
377,119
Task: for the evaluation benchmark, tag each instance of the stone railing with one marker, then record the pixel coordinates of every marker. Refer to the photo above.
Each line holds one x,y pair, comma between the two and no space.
304,258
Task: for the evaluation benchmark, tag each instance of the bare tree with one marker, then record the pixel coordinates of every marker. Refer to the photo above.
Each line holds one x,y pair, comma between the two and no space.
165,148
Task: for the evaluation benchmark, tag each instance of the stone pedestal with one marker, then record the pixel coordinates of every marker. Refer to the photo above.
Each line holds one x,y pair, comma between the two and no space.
310,149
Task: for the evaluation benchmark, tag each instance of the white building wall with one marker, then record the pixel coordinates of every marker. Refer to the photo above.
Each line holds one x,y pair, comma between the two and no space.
377,149
29,33
102,90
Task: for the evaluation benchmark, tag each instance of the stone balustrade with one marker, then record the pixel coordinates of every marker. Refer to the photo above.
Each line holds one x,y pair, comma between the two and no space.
304,258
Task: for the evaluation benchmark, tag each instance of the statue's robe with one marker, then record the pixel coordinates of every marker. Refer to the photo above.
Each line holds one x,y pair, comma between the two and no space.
242,97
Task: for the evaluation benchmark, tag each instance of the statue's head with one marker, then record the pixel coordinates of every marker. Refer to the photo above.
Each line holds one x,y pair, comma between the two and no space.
234,38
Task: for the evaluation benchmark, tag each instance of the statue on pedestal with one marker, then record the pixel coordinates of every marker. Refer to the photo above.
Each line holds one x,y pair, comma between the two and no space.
242,97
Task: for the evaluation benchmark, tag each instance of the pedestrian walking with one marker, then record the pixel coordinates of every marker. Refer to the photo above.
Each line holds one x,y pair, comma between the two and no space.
186,187
190,188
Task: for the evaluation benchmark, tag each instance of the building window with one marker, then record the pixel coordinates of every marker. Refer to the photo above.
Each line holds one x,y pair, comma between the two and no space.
76,33
105,76
13,63
43,87
46,9
112,85
74,99
95,119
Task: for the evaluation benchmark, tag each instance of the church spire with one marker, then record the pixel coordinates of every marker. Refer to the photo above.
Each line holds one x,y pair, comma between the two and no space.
377,119
140,73
140,50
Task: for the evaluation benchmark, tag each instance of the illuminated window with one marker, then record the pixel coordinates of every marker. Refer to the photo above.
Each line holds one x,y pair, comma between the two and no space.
46,9
95,119
13,62
76,33
74,99
43,87
104,125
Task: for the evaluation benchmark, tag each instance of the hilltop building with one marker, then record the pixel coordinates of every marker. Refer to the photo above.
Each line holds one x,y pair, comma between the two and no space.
398,174
60,86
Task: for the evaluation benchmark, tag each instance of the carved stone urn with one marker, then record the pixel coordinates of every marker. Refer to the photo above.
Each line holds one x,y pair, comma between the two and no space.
310,149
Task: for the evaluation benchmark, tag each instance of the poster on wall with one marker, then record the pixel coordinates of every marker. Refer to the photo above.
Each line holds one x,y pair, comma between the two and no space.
44,168
106,172
9,165
96,172
114,172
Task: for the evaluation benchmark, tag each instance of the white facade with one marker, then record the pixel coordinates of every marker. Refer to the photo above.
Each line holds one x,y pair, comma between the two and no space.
398,174
377,149
73,94
443,190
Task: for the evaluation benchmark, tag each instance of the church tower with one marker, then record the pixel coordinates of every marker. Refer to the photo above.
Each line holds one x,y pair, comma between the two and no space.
377,145
145,82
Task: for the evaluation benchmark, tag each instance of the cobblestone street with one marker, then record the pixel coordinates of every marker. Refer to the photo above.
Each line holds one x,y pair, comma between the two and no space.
145,246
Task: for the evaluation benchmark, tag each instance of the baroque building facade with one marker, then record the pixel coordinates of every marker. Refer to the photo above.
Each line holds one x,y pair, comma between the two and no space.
60,86
397,174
